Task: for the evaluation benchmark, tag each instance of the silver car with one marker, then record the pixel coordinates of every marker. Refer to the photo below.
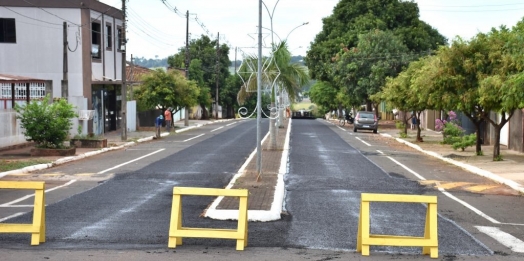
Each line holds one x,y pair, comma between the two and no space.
365,120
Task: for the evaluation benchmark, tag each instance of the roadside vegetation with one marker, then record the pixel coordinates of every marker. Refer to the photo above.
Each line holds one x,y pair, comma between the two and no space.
7,165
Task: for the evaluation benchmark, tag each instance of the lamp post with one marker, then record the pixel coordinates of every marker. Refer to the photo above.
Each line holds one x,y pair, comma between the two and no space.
259,86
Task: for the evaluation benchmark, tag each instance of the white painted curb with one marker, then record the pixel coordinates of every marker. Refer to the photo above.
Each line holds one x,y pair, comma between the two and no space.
278,197
478,171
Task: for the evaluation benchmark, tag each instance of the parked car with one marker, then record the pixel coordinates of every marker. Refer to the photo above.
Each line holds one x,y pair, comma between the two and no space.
366,120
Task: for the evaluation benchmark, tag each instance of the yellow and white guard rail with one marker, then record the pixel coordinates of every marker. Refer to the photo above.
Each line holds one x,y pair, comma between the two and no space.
429,242
37,228
177,232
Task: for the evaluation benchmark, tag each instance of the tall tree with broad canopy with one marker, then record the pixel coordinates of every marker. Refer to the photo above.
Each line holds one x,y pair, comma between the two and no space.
213,64
363,69
501,80
167,89
352,18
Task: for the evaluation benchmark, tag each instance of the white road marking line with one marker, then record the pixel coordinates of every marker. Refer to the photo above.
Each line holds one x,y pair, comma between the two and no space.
449,195
125,163
231,124
403,166
504,238
32,195
12,216
194,137
480,213
217,128
341,128
369,145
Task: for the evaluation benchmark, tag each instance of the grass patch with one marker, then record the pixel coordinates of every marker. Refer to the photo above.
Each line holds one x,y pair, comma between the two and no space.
7,165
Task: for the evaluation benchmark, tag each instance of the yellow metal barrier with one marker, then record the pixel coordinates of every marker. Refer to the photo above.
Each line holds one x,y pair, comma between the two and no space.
177,232
37,228
429,242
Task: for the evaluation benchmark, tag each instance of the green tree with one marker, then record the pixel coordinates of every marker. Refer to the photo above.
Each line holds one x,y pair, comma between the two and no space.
364,68
229,93
167,89
213,64
46,124
352,18
501,80
323,95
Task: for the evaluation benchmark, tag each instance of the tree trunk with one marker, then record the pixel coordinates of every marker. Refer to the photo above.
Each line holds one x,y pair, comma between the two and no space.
478,146
419,138
405,120
369,106
496,145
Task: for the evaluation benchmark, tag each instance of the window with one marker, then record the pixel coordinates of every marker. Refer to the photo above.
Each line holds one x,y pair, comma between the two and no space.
119,35
96,40
109,37
7,30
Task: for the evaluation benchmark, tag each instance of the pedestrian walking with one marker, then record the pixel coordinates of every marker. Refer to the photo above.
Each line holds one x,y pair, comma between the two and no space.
168,118
413,121
158,125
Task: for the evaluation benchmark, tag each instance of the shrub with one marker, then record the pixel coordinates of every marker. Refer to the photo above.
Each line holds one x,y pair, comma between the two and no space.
454,135
46,124
399,125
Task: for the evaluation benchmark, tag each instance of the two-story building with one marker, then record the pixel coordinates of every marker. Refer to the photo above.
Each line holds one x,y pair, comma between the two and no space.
32,45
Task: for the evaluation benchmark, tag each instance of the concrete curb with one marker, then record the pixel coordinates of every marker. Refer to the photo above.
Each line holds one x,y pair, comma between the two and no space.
278,197
484,173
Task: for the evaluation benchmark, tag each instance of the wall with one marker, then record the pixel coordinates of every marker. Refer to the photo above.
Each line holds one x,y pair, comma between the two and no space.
516,131
10,130
38,51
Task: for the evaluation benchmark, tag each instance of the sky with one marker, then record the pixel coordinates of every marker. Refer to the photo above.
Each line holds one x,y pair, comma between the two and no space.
157,29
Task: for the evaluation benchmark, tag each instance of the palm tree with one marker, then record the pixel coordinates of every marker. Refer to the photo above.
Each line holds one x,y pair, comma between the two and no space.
277,71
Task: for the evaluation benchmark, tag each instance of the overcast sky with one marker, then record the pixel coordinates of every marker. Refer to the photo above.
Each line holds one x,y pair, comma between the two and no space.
155,29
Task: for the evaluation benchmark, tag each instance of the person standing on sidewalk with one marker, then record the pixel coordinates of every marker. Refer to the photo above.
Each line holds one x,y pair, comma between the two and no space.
158,125
167,116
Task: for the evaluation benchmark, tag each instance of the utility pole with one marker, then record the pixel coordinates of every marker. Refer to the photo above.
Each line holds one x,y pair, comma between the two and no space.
124,88
186,120
65,89
131,71
218,74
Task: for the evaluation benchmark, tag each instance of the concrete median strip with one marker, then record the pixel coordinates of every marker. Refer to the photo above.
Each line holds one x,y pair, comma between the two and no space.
278,197
484,173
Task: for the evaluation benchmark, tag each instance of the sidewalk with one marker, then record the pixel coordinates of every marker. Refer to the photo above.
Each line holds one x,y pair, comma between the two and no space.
114,142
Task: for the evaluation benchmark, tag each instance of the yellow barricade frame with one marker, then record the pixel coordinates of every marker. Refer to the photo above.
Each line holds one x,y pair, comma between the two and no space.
177,232
37,228
429,242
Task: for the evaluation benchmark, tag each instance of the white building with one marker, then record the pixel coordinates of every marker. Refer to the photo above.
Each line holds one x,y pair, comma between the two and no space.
32,45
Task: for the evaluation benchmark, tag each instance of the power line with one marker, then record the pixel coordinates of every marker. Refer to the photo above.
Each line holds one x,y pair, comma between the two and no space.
471,11
29,17
475,6
50,13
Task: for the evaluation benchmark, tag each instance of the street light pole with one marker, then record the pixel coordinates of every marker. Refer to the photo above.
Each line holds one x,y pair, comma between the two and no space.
259,87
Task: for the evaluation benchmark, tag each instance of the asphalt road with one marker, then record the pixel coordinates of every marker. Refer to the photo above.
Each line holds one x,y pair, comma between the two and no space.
123,213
